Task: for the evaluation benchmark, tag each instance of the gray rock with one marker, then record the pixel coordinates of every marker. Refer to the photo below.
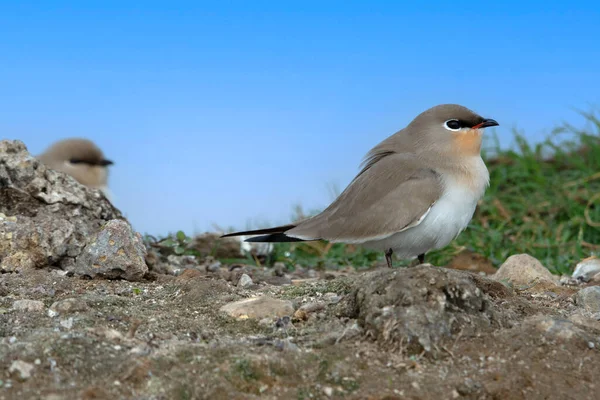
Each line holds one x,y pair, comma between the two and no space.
22,369
173,270
523,270
28,305
67,306
213,267
114,252
312,307
259,308
245,281
423,308
46,217
589,298
182,261
586,269
279,269
67,323
331,298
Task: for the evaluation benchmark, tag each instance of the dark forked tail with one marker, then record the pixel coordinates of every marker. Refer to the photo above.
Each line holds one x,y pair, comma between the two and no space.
276,234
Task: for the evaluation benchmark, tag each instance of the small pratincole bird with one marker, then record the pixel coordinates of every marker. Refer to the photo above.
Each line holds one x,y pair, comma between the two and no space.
417,190
81,159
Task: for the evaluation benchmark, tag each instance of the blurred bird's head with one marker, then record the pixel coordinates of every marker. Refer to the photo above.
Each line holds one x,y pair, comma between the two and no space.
81,159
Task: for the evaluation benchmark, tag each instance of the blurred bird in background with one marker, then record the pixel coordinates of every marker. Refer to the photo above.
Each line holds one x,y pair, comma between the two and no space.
81,159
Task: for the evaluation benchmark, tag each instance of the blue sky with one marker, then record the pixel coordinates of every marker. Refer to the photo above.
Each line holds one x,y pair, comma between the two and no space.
233,112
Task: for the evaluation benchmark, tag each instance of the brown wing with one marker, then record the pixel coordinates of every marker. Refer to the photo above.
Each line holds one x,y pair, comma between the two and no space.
391,195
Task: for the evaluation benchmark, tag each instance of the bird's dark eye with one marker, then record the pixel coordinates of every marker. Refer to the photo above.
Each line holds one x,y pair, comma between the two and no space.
76,161
453,124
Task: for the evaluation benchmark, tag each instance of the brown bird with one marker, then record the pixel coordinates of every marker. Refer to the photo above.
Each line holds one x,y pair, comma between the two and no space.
81,159
416,191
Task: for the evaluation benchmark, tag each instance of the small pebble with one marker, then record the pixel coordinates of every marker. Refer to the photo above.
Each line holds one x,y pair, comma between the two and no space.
245,281
24,369
332,298
28,305
586,269
328,391
67,306
214,267
67,323
312,307
279,269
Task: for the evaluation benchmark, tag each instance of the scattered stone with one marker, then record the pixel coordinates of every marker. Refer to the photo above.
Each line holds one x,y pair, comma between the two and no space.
67,306
245,281
589,298
22,368
67,323
586,269
312,307
107,333
522,270
213,267
28,305
422,307
258,308
331,298
173,270
279,269
566,280
115,252
182,261
328,391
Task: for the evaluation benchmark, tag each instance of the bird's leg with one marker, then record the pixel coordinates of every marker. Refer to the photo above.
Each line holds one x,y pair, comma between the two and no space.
421,258
388,257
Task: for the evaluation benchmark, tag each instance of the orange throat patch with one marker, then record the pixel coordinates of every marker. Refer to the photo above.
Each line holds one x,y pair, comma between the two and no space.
467,142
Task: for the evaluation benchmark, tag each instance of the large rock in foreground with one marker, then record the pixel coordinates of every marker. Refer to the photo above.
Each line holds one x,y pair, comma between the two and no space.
424,308
46,217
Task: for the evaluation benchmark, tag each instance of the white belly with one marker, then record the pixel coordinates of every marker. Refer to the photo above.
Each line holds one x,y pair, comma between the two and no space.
448,217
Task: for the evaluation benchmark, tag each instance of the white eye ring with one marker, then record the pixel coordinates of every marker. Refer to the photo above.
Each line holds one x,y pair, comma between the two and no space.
453,125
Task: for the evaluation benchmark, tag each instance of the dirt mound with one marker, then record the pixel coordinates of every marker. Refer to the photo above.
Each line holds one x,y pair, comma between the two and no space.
424,308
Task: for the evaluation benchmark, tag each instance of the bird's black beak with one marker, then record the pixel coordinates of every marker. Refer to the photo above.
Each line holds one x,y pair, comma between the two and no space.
106,163
486,123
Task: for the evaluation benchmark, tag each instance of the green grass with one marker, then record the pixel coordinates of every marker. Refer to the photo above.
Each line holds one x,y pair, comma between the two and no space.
544,200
